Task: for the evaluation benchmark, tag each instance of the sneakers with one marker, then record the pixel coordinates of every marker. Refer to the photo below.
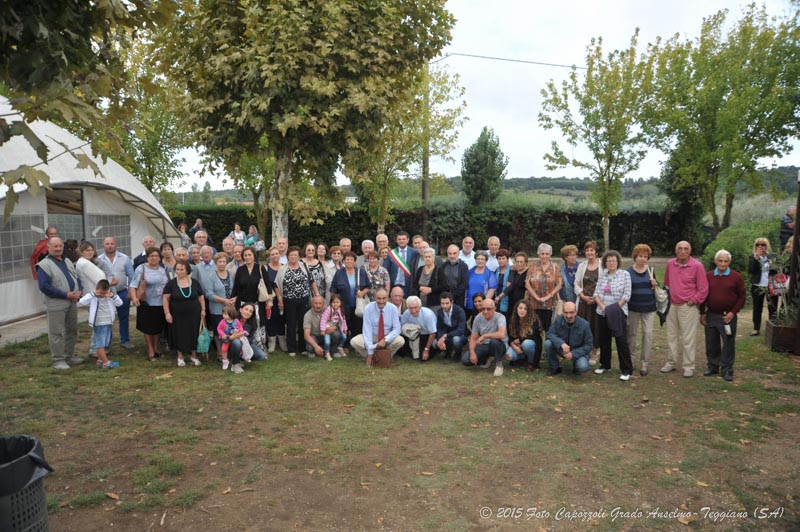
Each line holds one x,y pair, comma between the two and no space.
667,368
237,368
127,345
196,361
181,362
111,364
74,361
60,365
498,370
225,364
625,378
337,354
488,363
341,352
328,357
292,354
600,371
688,373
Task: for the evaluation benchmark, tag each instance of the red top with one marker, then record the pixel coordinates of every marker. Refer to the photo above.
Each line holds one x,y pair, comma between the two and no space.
726,293
36,256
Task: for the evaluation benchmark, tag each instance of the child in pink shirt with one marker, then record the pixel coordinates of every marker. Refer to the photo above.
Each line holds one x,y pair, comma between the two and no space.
333,325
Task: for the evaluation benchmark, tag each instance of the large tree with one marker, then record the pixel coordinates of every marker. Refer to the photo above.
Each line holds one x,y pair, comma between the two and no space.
61,61
423,124
600,108
483,168
725,100
315,79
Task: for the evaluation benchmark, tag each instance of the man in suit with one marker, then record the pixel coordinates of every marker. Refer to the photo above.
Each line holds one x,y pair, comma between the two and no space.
451,328
399,262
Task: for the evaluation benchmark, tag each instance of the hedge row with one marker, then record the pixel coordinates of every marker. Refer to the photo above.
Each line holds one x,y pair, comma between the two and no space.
519,228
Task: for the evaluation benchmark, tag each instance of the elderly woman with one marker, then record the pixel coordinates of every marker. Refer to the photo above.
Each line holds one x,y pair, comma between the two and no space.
642,305
612,295
585,283
429,282
276,325
378,275
294,287
351,283
237,234
481,280
503,272
569,254
194,255
150,310
518,280
184,308
168,258
544,283
252,236
383,253
760,269
315,267
218,290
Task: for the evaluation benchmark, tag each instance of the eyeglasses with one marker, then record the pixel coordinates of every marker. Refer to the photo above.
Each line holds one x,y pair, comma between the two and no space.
761,245
487,309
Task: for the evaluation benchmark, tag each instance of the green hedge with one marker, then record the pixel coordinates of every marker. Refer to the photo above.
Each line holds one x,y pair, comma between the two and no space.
738,240
519,227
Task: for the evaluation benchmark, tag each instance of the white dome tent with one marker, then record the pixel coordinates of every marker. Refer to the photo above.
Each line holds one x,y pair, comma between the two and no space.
81,205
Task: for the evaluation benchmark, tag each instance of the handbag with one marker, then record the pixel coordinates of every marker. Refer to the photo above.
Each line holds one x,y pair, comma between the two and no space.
361,304
203,338
263,293
140,291
247,349
661,294
382,358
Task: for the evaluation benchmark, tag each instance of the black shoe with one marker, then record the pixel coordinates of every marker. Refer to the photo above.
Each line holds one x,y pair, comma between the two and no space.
553,371
728,376
709,372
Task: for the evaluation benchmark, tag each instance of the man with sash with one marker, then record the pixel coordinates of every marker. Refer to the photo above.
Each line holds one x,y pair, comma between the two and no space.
398,263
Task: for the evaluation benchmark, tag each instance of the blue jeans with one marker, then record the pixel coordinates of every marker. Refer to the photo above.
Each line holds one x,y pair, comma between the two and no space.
338,340
528,351
258,353
455,344
580,364
124,313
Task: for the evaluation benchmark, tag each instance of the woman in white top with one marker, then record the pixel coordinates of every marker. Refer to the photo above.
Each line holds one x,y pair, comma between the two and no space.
237,234
88,275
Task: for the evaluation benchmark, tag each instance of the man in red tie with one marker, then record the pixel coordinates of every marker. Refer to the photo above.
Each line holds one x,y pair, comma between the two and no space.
381,327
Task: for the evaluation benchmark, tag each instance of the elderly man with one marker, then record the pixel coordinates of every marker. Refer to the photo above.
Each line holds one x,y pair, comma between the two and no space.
147,243
488,339
467,255
40,250
121,272
205,268
418,327
570,338
182,254
366,245
787,226
227,247
688,287
381,328
58,281
282,244
493,247
456,274
397,298
201,238
451,327
399,262
726,297
381,241
198,226
346,245
314,337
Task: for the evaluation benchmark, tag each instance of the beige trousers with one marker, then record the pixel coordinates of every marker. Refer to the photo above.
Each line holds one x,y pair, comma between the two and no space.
682,324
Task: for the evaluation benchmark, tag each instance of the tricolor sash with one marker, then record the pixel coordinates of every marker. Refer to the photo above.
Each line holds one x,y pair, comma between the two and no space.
398,260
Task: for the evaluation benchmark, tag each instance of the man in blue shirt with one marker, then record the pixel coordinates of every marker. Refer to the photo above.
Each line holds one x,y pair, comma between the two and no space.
122,271
418,326
381,327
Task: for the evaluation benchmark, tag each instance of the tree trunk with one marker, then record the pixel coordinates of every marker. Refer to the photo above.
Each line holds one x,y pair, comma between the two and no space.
606,225
280,205
726,217
381,229
426,153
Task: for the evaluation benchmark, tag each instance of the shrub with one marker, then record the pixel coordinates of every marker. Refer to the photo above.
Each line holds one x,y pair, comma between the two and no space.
739,239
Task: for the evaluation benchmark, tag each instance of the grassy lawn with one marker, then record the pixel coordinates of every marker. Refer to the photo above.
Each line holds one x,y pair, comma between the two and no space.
302,444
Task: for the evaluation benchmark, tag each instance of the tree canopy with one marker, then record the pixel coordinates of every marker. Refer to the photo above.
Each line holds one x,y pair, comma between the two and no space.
483,168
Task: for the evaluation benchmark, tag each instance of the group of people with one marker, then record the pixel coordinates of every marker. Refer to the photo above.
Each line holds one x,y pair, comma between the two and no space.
478,307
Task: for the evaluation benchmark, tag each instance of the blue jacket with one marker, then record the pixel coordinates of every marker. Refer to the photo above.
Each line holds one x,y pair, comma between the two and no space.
458,322
578,336
391,267
340,285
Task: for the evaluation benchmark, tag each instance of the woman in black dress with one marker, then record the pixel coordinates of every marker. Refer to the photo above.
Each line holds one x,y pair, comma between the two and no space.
245,283
276,326
184,307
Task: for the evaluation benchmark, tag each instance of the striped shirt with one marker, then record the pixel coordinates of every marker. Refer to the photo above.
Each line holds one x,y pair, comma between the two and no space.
643,299
611,289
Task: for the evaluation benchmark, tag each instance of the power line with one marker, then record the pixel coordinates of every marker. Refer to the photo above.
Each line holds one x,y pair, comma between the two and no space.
449,54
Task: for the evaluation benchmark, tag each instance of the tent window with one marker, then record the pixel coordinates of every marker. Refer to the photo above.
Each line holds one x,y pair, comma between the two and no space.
65,212
18,237
102,226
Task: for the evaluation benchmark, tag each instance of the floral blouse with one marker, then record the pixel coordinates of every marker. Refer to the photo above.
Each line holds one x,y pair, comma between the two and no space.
543,281
377,279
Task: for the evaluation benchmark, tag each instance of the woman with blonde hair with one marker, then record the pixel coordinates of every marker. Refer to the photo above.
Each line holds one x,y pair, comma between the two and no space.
760,270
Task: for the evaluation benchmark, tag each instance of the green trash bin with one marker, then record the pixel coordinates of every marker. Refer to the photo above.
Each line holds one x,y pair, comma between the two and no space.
23,505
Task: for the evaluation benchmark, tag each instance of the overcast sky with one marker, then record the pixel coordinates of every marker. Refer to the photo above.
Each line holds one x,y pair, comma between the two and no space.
506,96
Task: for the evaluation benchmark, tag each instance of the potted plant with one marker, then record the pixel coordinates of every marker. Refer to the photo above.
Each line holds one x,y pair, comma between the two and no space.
781,327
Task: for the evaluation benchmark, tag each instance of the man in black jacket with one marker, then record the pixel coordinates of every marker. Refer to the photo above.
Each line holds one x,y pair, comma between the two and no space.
456,273
451,328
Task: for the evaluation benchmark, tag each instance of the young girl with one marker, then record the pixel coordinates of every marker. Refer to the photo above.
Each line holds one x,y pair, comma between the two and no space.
229,331
333,324
102,311
522,334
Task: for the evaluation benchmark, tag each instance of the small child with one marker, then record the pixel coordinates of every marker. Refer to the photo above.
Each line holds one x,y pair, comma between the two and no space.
229,329
102,312
332,323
